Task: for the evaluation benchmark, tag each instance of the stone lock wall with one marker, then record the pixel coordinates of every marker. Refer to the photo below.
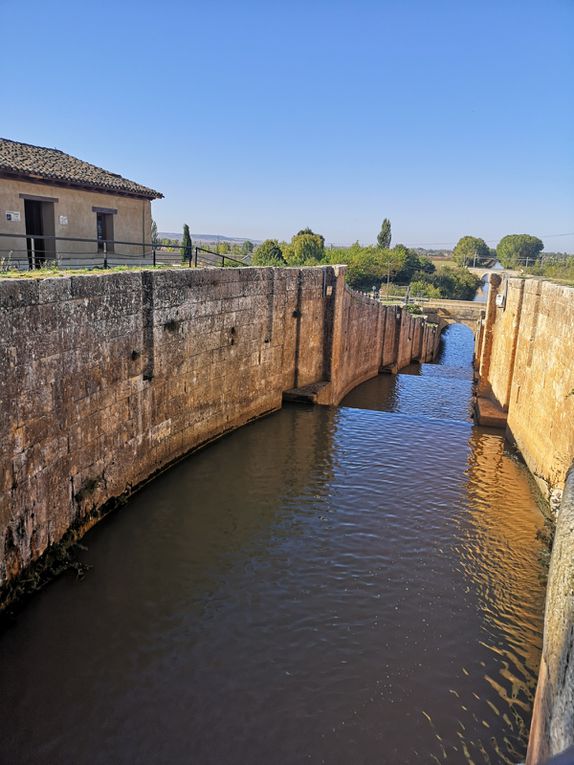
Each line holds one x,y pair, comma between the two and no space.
370,337
106,379
552,729
527,348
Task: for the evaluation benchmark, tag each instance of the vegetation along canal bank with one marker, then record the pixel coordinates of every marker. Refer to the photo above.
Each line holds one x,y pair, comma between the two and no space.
120,375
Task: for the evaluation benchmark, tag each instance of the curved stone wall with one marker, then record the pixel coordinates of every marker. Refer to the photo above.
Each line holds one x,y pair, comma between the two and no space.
106,379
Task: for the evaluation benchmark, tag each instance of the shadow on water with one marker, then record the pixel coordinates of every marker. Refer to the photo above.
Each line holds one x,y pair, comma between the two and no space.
441,389
326,585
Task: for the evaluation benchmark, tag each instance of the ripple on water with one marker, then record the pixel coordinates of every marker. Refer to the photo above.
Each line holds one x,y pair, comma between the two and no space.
323,585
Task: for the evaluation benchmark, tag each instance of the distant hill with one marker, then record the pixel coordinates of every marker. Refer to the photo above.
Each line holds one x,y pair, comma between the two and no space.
210,238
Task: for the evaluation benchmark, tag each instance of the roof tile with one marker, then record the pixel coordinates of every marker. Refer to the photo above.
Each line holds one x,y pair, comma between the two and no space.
54,165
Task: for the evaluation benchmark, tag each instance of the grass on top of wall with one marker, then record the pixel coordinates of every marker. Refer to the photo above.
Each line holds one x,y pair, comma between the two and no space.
53,271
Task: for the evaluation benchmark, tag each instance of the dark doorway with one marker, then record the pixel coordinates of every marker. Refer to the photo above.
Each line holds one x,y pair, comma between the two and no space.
39,218
105,230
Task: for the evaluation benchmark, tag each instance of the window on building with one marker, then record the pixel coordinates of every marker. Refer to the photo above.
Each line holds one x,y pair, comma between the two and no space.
105,231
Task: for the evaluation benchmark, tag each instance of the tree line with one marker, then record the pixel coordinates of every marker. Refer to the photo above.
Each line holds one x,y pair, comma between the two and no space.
185,245
513,251
370,267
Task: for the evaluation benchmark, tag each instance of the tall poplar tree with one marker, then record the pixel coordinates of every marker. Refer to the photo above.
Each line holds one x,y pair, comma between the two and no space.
186,243
384,237
154,234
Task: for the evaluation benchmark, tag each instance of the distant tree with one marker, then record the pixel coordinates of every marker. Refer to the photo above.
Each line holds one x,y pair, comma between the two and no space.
312,233
341,255
247,247
454,283
155,240
306,248
225,248
406,263
559,266
426,266
470,250
172,245
384,235
519,250
372,266
420,288
366,269
186,243
268,253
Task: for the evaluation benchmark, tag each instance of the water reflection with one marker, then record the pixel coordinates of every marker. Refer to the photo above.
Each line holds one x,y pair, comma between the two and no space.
441,389
495,548
325,585
498,552
482,292
481,295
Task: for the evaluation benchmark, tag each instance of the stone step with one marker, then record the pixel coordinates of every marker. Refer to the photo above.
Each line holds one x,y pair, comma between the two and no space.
306,394
488,413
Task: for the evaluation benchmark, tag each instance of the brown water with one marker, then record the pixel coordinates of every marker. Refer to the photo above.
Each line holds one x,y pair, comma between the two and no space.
326,585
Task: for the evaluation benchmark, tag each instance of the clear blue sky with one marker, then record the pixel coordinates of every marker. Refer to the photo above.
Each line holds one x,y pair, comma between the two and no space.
255,119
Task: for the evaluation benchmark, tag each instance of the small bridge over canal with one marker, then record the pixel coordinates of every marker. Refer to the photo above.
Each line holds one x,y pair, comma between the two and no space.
465,312
483,273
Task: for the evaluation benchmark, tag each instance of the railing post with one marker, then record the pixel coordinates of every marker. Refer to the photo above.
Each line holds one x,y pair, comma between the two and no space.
196,257
153,253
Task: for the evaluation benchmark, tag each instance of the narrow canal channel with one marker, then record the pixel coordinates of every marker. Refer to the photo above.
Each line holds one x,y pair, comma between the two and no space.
350,585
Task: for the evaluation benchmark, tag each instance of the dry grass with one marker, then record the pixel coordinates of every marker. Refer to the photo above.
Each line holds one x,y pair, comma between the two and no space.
440,263
53,271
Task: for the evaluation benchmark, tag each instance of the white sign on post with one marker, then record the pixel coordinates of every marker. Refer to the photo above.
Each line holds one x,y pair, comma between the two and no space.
12,215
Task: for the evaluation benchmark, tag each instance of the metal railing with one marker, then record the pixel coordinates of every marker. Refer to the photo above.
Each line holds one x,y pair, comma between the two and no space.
67,252
210,258
360,293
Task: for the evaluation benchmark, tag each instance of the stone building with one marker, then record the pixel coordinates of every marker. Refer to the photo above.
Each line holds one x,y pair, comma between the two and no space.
54,207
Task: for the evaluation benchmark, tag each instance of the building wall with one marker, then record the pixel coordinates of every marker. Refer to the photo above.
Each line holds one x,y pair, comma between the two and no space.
108,378
132,222
526,366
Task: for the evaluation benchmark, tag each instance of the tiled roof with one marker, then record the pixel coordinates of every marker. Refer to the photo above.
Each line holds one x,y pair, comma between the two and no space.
40,163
